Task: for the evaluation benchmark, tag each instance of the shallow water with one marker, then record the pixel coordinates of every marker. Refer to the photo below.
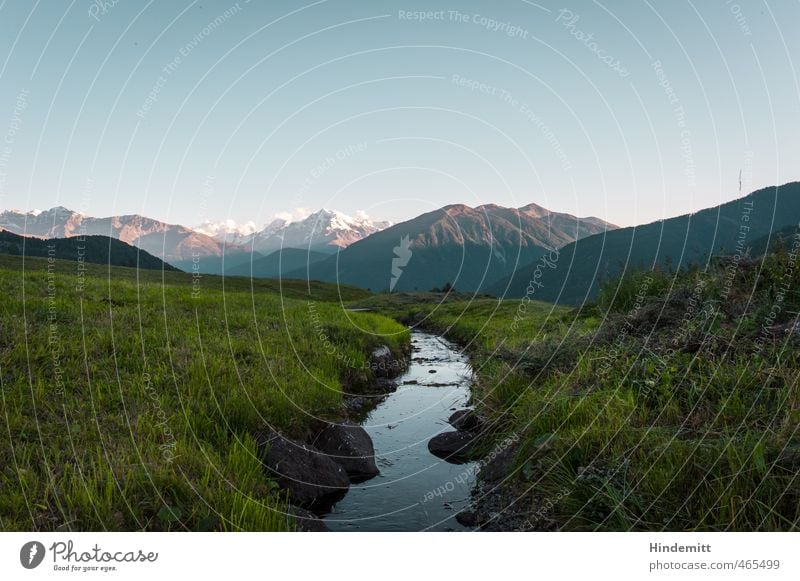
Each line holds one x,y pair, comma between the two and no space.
415,490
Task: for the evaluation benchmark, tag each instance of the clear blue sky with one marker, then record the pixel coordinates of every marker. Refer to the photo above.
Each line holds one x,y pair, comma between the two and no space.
512,102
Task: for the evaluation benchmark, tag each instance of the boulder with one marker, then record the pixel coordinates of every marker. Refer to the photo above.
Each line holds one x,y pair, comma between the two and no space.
310,476
383,363
454,447
465,420
355,405
349,445
384,386
467,518
306,521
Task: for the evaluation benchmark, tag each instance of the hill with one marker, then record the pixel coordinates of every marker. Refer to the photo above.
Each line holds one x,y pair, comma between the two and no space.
277,264
676,242
782,238
93,249
230,258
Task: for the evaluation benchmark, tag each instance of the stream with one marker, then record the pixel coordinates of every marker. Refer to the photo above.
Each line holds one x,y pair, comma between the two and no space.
415,491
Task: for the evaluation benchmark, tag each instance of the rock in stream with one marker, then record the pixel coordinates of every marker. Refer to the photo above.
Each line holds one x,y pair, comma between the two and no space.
349,445
310,476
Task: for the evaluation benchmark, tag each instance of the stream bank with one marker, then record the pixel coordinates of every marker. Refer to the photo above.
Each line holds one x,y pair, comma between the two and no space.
410,456
415,490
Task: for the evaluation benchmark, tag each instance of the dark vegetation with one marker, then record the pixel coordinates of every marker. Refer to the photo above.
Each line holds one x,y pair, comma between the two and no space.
93,249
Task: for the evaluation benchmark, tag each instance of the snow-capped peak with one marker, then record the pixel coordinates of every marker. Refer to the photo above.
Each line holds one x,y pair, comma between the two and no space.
332,219
226,228
323,230
294,216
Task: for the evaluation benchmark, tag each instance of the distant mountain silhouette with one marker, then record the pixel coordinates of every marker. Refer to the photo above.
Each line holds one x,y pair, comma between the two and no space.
679,242
277,264
467,247
232,257
91,249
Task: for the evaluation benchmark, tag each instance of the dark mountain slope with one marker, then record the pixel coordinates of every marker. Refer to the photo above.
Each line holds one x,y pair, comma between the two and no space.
467,247
782,239
210,264
93,249
679,242
277,264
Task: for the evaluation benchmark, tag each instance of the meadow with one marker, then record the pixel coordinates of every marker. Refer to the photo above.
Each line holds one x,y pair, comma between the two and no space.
131,398
670,404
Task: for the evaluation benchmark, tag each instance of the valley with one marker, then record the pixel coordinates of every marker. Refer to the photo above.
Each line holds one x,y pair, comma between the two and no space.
301,274
195,401
189,401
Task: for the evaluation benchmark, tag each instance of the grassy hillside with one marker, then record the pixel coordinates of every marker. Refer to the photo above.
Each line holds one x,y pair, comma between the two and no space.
92,249
581,267
130,397
672,404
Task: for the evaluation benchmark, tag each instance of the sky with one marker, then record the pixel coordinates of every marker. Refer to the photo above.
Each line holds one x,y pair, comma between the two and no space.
189,111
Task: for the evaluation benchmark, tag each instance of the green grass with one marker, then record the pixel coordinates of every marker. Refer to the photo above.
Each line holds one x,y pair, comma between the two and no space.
130,398
672,404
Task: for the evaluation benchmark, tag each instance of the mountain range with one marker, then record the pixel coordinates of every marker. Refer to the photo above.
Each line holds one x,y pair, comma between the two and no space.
469,248
324,231
488,249
170,242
